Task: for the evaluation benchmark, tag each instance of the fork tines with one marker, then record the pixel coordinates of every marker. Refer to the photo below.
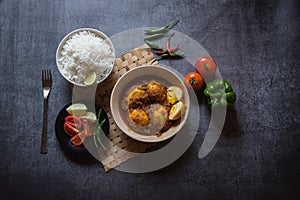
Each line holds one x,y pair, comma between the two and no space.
46,75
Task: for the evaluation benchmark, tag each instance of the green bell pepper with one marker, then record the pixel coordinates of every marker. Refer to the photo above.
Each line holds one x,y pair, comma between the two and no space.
219,93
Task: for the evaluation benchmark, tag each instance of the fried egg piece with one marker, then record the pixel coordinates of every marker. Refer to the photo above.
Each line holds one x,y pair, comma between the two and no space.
174,94
176,110
140,117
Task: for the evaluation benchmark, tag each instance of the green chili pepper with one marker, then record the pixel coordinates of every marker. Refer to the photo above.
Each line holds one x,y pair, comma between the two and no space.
219,93
162,29
153,45
158,35
178,54
154,36
174,55
97,136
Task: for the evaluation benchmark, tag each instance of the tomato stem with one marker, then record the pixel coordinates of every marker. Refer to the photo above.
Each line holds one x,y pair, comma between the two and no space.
206,67
193,81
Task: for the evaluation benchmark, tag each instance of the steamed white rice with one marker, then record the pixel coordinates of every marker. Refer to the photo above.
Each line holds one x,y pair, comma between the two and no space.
85,53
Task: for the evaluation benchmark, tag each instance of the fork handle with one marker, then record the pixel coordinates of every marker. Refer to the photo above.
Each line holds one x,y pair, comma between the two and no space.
44,132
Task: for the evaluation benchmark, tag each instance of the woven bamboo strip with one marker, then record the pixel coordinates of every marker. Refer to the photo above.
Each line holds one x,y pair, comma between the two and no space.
122,147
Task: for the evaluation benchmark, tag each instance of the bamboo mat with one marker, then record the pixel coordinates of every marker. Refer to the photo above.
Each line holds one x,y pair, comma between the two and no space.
122,147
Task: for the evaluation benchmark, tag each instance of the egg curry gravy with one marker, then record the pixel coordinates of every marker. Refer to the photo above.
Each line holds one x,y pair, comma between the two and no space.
151,108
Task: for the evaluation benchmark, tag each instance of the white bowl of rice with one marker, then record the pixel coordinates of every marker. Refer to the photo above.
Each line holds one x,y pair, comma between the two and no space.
85,57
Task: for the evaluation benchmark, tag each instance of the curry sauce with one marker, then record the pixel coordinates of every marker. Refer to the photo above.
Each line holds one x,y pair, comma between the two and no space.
146,108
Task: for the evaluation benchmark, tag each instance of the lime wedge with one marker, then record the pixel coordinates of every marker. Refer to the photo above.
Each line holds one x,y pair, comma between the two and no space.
90,79
77,109
90,116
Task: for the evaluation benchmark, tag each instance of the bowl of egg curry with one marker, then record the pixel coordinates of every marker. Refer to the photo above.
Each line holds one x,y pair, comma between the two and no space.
150,103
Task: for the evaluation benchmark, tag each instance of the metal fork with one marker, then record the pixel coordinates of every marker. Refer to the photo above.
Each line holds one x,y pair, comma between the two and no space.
47,84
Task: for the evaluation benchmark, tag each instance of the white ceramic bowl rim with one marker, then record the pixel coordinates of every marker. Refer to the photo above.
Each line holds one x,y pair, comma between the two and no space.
98,33
114,104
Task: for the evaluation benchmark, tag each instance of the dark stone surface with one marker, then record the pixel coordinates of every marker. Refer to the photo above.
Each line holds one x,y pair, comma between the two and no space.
256,44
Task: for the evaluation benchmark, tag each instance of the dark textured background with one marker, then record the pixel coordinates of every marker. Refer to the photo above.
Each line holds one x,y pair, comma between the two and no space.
256,44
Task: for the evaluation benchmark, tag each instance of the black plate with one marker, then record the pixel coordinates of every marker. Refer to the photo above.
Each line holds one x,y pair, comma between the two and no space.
78,152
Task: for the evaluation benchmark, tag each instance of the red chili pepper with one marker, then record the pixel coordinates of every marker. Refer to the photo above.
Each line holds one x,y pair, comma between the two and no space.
166,51
168,47
75,121
70,129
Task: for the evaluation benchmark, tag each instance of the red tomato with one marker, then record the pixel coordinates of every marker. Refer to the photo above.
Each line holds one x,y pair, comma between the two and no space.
70,129
206,66
194,80
78,139
75,121
88,127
